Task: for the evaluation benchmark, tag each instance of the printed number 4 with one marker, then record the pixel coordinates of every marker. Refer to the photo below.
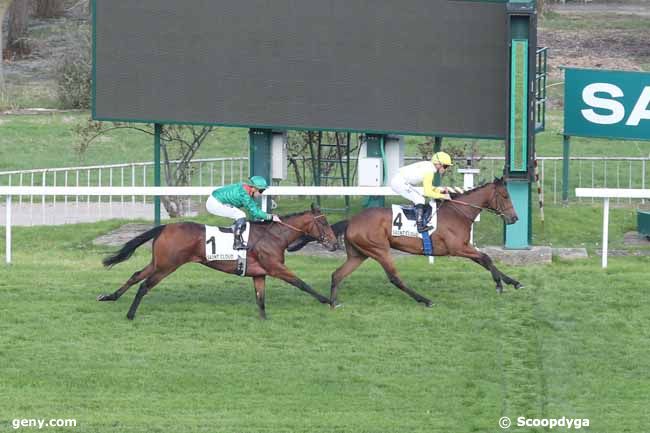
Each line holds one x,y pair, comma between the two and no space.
398,222
214,244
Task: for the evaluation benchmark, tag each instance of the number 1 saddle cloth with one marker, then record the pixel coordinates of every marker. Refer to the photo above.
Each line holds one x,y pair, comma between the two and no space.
218,246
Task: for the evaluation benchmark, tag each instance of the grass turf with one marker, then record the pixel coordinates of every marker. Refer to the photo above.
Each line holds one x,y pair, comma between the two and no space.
196,359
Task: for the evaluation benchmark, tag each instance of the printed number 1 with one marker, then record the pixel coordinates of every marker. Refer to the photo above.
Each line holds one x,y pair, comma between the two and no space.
214,244
398,221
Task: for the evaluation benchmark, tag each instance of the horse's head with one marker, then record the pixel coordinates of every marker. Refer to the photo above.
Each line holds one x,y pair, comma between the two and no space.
500,202
320,229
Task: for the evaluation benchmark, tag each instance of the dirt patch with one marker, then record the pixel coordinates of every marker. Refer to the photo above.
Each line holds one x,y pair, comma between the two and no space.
607,49
636,239
122,235
640,8
591,35
119,236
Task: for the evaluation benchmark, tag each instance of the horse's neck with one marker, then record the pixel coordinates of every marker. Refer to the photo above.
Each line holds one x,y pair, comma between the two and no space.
299,223
480,198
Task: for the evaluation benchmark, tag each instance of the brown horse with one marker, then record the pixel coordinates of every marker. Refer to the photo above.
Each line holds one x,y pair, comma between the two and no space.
368,234
180,243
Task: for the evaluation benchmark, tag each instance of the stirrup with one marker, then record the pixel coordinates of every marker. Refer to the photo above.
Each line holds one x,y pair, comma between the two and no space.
420,224
239,244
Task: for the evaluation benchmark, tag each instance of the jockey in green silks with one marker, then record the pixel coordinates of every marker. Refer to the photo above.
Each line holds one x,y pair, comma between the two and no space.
227,201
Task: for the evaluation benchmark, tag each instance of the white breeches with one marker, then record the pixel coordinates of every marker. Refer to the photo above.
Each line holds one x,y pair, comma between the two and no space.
215,207
406,190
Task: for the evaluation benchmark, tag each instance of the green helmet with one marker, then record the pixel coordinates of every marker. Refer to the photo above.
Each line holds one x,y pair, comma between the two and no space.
258,182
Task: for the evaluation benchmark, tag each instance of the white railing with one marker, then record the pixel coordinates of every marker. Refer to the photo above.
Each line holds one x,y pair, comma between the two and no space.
584,172
9,192
225,169
591,172
606,194
203,172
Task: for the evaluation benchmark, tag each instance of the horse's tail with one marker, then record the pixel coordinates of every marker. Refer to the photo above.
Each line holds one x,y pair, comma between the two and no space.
338,229
129,248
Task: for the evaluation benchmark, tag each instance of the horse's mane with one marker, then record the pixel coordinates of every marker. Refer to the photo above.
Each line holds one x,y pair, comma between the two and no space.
283,217
294,214
454,195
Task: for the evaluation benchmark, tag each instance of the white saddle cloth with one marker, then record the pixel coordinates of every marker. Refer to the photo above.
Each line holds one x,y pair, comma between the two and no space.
402,226
218,245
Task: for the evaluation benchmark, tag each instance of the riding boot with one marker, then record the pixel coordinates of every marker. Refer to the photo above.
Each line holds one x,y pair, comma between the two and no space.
238,229
419,218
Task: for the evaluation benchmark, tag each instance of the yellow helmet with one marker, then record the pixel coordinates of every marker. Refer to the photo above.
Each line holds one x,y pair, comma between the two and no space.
442,158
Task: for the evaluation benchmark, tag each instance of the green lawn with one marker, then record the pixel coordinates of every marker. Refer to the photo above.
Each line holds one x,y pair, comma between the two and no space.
573,343
43,141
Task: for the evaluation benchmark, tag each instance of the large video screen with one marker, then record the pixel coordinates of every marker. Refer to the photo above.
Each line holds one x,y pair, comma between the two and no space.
434,67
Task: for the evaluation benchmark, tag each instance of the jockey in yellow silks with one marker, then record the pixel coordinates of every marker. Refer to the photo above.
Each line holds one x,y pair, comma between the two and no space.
422,173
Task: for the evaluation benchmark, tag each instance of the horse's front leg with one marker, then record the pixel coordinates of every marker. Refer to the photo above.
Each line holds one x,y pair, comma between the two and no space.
483,260
488,264
506,279
279,270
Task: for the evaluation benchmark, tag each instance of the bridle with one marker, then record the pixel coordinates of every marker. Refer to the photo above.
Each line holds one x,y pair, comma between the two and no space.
495,198
321,236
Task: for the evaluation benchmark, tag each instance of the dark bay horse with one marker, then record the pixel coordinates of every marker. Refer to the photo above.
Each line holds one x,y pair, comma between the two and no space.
368,234
180,243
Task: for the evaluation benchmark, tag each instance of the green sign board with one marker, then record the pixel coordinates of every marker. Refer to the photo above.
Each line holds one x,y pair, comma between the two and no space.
613,104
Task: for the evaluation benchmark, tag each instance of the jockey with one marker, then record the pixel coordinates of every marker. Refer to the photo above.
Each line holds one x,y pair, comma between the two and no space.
422,173
227,200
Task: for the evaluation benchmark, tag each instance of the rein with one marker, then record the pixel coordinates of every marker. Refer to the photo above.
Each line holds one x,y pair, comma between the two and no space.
266,232
497,212
297,229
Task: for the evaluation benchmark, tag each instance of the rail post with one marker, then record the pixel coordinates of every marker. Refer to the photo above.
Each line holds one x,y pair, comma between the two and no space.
566,150
8,232
605,231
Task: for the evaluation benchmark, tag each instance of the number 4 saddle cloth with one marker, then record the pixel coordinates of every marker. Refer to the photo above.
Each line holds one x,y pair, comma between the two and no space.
404,220
218,246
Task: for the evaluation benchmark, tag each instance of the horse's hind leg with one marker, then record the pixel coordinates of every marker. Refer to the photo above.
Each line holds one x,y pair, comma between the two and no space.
352,263
386,262
280,271
147,285
135,278
394,278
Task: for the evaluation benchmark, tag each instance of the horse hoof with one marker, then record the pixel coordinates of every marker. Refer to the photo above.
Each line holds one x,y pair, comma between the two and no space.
519,286
499,290
105,298
130,316
427,303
